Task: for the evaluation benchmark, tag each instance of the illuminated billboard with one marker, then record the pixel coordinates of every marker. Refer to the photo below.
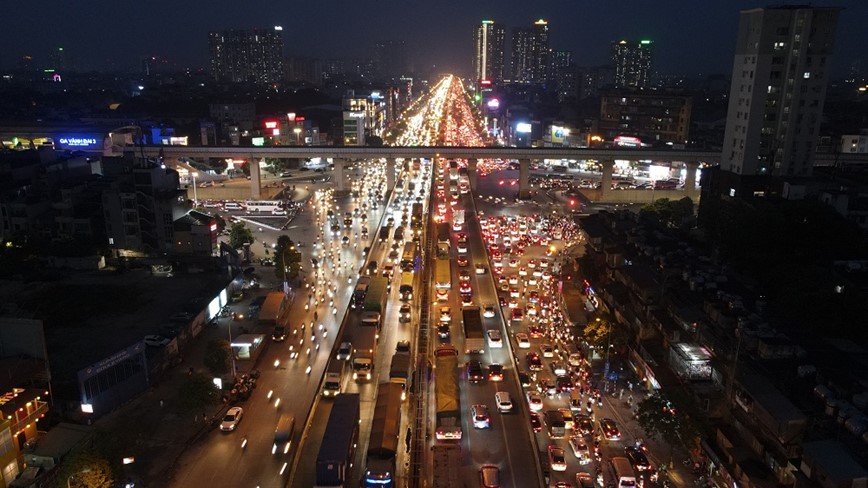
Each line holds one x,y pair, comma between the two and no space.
78,141
493,104
558,134
523,128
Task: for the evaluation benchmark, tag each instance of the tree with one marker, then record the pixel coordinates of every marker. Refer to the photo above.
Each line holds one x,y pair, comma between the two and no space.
218,357
239,235
287,264
374,141
668,213
197,393
658,417
87,468
603,332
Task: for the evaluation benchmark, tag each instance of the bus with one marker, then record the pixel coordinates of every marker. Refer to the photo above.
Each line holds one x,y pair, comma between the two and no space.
263,206
410,259
335,458
623,471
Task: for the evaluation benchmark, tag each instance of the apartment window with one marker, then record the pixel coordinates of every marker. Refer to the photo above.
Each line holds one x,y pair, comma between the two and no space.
780,45
806,75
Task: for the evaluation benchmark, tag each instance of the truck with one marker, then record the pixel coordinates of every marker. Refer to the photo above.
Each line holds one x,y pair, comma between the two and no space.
365,344
406,288
443,274
457,220
447,394
335,457
400,372
447,465
334,378
474,336
383,441
272,308
443,233
375,301
360,291
384,234
555,424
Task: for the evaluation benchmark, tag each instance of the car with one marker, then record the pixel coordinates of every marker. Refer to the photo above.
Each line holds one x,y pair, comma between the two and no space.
154,340
557,461
535,422
488,311
279,333
637,458
522,271
584,480
548,351
279,211
535,331
580,449
503,401
463,275
481,419
514,293
466,299
513,279
534,401
495,372
584,425
531,264
474,371
489,476
575,359
568,418
534,363
462,260
404,313
517,314
443,331
523,379
564,383
523,340
558,368
480,268
345,351
610,429
402,347
533,296
546,386
445,314
495,340
513,263
231,419
465,287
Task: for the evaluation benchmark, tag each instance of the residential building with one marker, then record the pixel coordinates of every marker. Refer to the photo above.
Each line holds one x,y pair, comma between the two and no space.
855,144
489,40
530,53
363,117
196,234
564,75
779,75
303,69
651,116
632,63
247,56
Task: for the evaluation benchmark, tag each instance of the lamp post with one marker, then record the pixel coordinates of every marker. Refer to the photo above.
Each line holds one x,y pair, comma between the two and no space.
195,198
69,479
297,131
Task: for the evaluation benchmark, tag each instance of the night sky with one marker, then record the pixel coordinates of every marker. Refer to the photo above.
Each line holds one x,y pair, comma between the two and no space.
691,36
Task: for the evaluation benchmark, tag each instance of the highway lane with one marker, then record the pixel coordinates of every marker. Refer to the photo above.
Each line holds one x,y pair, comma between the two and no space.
219,459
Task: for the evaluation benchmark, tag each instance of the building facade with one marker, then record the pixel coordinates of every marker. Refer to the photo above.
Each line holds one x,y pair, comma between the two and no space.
489,40
531,53
778,88
247,56
632,63
651,116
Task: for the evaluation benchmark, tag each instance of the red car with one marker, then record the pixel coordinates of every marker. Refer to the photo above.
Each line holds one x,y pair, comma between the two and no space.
535,422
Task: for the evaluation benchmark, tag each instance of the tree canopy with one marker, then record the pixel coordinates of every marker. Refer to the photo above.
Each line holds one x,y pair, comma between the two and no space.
240,234
287,259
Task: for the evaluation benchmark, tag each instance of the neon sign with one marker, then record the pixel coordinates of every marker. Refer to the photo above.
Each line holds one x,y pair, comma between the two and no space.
78,141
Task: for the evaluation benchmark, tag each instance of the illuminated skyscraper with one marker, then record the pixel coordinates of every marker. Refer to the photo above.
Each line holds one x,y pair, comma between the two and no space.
632,63
530,53
782,59
247,55
489,42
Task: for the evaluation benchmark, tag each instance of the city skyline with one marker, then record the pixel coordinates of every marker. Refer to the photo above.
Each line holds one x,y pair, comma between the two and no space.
440,44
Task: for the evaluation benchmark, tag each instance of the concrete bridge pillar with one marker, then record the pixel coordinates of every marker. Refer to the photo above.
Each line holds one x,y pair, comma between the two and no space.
606,182
390,174
690,178
523,178
471,172
338,174
255,178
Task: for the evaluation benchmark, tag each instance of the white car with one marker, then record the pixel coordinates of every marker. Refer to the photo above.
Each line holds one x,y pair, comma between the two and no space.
534,401
513,279
480,268
495,340
231,419
523,340
279,211
481,419
522,271
488,311
548,351
557,460
445,314
154,340
580,449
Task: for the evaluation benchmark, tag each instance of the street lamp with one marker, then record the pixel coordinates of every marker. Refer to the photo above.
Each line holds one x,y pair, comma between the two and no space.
297,131
69,479
195,198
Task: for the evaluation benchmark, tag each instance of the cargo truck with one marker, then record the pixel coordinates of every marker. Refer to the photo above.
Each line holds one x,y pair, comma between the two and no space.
443,233
474,336
375,301
365,341
447,463
446,392
400,372
272,308
335,458
458,220
383,441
